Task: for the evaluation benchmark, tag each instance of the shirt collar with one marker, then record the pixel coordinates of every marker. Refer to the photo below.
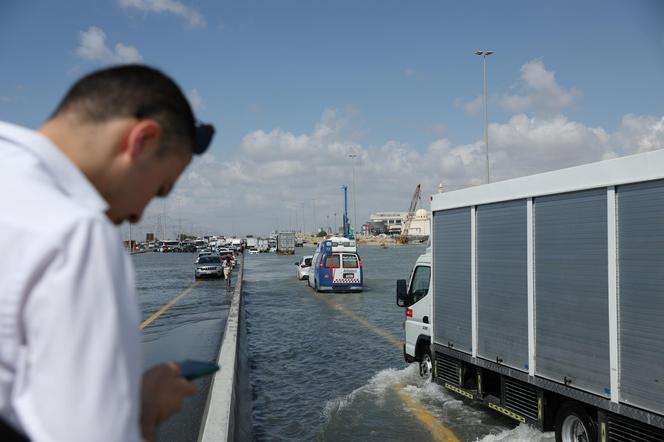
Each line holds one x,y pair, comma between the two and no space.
67,176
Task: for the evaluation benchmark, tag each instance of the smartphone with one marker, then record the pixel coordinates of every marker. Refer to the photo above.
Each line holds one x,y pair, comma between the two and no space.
195,369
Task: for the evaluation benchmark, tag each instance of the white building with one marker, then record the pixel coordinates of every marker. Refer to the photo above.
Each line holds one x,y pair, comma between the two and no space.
420,226
393,220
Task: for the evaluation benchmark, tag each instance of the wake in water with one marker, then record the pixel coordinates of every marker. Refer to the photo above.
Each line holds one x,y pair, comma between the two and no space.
403,406
378,387
522,433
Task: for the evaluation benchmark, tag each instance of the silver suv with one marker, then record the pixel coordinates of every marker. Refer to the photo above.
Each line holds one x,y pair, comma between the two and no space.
209,266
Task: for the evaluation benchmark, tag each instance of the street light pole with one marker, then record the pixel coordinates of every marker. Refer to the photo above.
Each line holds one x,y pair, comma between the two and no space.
304,229
484,54
353,156
313,205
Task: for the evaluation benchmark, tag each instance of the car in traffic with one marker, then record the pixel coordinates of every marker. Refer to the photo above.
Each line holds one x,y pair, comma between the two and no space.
209,266
303,267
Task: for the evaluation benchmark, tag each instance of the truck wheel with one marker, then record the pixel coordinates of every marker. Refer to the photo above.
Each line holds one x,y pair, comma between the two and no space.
426,365
574,424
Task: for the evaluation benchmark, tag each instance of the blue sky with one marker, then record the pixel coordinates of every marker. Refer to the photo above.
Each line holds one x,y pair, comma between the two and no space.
387,79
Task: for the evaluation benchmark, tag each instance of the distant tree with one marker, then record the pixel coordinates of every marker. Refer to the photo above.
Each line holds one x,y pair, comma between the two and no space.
321,234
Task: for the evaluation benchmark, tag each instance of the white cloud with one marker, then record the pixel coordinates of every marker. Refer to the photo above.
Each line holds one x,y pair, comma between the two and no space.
258,187
275,173
196,101
472,108
93,47
194,18
540,92
640,134
409,72
438,129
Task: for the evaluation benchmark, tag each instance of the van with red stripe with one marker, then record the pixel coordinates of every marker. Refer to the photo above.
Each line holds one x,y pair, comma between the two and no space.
336,266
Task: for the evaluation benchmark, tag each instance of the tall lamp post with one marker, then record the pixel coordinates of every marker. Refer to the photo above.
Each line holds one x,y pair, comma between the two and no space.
304,229
313,206
352,156
484,55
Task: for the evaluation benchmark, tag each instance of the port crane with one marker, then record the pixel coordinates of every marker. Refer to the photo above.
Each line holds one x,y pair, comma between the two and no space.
403,239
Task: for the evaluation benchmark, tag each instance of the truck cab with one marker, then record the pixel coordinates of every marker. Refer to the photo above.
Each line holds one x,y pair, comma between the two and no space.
413,296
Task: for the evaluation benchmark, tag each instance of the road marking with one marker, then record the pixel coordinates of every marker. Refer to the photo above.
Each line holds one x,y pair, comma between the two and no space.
159,312
376,330
439,431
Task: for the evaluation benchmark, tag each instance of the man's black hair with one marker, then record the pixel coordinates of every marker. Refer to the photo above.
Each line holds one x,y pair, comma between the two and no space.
142,92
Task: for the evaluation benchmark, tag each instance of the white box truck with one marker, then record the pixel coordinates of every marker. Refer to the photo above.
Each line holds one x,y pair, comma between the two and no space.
547,298
286,243
252,243
417,324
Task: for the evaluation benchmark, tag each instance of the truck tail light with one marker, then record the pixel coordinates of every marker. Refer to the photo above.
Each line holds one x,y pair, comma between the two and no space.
409,312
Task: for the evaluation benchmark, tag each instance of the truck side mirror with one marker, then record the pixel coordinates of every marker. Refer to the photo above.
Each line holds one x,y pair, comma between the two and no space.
402,293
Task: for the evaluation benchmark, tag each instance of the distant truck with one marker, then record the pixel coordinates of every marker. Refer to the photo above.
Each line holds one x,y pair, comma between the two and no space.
252,243
286,243
235,243
547,298
263,245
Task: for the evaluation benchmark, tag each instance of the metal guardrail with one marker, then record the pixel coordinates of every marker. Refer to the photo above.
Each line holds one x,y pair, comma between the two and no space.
218,424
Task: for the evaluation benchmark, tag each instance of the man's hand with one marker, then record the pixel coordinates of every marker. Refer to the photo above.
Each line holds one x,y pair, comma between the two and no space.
162,394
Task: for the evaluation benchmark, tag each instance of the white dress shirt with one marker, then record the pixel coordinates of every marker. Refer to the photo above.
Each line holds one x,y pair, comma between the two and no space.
70,354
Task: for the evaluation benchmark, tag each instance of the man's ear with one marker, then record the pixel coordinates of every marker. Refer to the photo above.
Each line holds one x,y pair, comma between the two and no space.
143,137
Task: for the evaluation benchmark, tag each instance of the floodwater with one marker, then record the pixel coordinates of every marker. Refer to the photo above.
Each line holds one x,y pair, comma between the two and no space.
329,367
191,329
322,367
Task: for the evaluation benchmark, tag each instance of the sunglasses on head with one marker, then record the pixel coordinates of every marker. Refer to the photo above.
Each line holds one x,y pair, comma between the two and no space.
202,137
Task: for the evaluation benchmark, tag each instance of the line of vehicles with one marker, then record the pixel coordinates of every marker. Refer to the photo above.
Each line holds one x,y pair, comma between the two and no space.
542,298
210,262
193,245
335,266
250,243
283,242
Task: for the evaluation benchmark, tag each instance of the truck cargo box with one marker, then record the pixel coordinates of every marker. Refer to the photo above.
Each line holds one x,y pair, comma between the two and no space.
557,279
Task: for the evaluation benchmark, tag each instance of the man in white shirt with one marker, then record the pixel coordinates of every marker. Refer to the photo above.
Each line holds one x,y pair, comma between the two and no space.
70,355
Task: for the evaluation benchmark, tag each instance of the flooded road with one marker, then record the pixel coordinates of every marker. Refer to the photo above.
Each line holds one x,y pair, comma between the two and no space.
191,329
330,367
326,367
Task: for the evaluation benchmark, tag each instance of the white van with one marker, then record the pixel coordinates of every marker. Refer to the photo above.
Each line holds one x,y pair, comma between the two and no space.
336,266
413,296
